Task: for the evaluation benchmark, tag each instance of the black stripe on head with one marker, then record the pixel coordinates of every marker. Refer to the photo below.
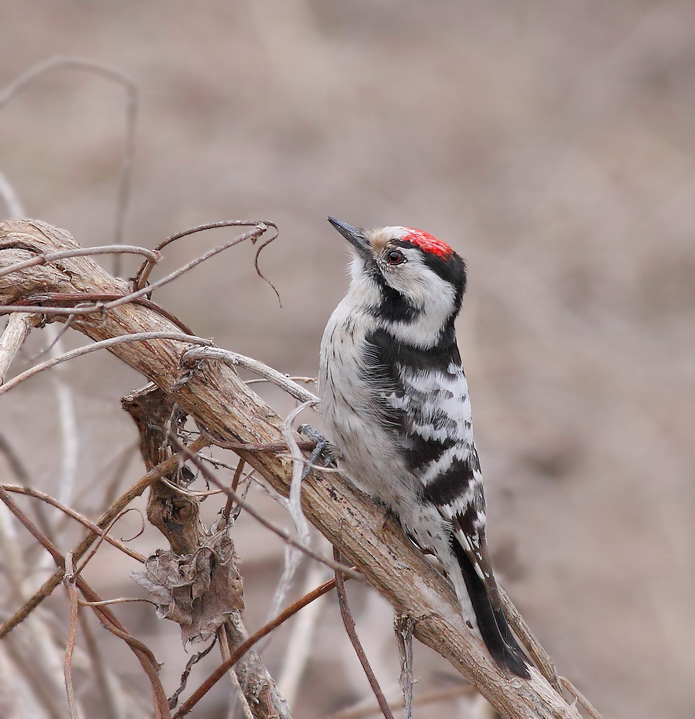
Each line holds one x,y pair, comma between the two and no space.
387,351
451,483
451,268
394,306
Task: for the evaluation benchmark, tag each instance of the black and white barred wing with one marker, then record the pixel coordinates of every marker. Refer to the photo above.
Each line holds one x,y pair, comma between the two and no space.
441,452
430,412
466,512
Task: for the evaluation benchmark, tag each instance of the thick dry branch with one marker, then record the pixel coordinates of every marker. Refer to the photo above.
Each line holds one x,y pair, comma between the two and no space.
220,401
256,685
282,533
219,594
176,515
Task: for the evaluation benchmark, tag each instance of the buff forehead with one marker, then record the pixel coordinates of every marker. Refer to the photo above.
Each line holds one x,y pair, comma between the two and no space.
380,238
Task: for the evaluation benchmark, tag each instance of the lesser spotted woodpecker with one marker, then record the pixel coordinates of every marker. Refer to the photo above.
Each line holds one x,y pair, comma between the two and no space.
396,408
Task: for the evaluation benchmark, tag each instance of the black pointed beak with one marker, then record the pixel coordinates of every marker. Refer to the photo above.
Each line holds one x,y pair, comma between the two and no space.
356,237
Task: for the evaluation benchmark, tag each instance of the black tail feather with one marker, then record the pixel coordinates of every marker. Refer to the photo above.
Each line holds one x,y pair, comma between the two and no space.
493,626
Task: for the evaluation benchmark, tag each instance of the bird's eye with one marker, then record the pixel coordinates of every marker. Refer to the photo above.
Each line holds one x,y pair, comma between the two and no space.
395,257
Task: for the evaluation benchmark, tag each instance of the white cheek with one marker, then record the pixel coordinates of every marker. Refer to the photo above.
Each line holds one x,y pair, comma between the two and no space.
431,293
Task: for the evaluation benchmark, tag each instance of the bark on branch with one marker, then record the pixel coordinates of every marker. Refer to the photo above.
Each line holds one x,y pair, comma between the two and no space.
178,518
213,393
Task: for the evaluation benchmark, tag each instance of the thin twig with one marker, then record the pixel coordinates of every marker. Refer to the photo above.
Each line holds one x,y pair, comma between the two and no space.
294,378
104,535
282,533
143,274
174,698
586,704
114,627
231,673
293,556
15,462
143,653
433,697
102,344
239,652
252,235
117,466
33,529
10,198
13,337
67,423
132,296
190,492
54,342
49,311
22,474
46,258
299,471
540,657
235,485
77,303
75,515
258,686
33,650
234,359
403,626
113,697
69,581
131,88
301,643
349,624
118,600
104,521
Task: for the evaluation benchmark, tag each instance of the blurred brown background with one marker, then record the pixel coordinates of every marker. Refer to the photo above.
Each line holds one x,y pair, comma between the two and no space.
552,144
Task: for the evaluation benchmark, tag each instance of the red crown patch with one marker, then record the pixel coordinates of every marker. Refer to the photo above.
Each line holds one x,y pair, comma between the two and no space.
428,243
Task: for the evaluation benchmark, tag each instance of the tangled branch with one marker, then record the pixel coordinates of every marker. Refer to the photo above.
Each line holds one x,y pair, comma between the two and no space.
228,409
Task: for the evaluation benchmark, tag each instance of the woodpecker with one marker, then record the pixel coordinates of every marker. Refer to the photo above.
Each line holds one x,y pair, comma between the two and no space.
395,403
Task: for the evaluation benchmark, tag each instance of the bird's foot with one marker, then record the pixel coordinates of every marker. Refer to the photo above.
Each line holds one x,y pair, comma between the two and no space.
323,448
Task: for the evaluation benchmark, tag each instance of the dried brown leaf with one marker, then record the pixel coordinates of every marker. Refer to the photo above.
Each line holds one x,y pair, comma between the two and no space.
197,590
